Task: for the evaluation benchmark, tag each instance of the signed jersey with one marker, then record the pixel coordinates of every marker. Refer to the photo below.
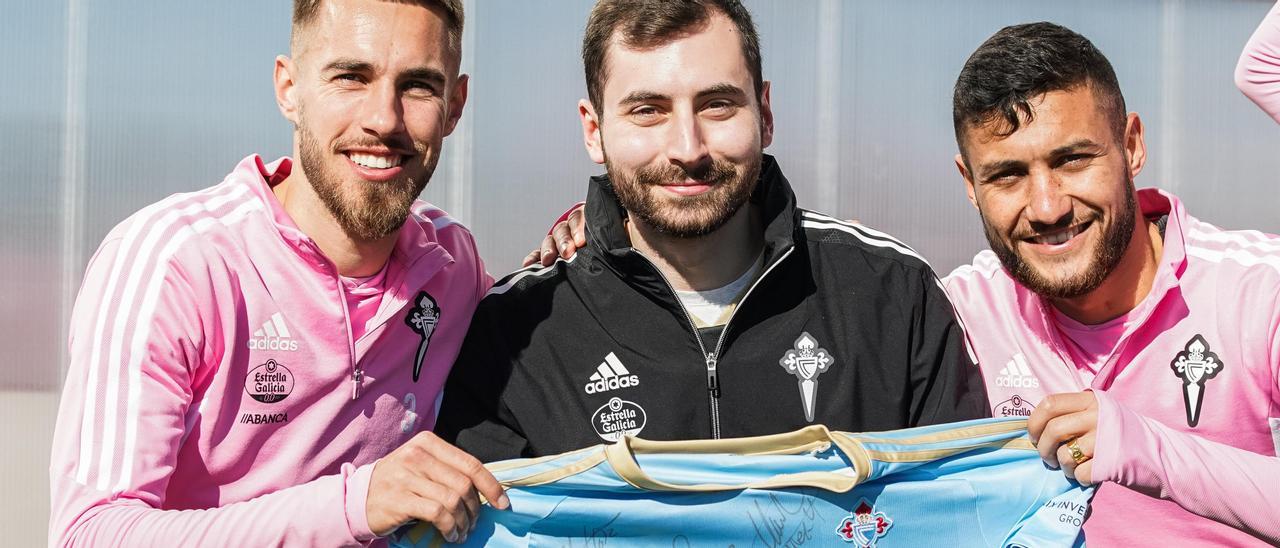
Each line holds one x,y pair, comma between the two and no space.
974,483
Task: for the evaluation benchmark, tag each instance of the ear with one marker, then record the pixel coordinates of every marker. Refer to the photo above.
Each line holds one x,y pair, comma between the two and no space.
766,117
968,180
286,94
1135,145
591,130
457,100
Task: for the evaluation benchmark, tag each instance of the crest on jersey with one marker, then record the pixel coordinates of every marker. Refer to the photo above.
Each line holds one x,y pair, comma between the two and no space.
422,320
806,360
1195,365
864,526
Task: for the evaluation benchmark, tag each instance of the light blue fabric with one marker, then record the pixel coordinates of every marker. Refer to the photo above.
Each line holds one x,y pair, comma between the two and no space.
985,494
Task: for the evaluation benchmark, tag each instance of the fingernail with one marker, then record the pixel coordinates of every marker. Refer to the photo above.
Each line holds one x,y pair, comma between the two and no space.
504,502
451,538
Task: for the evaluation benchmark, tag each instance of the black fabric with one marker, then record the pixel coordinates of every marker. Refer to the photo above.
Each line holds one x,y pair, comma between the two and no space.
519,386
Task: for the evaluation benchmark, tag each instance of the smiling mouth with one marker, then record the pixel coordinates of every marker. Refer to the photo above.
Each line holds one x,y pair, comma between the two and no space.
376,161
1061,236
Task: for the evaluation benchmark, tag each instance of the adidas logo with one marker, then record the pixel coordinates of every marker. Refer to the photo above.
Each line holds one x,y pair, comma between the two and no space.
610,375
1016,374
273,335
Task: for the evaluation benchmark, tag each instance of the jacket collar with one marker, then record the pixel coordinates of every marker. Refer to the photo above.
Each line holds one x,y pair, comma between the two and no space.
417,237
607,234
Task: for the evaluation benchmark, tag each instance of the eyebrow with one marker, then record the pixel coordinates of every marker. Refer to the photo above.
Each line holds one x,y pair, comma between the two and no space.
715,89
348,65
985,170
1074,146
355,65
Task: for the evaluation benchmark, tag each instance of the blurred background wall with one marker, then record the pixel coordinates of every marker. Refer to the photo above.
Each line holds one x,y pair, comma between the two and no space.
110,105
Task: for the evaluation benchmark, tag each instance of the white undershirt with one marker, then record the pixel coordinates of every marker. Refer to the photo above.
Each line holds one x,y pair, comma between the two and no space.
709,307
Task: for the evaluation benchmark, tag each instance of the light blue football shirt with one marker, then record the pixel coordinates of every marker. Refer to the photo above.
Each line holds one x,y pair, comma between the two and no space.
975,483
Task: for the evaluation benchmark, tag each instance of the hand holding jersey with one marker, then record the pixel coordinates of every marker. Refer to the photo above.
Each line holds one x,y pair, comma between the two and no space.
1064,428
429,480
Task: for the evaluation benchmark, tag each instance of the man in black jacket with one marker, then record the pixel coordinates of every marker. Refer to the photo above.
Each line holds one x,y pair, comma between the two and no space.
705,304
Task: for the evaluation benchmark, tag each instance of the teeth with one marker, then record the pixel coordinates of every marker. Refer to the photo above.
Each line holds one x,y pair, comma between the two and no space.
378,162
1058,237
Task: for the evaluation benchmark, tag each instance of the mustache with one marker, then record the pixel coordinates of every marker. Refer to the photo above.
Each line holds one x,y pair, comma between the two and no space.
712,173
398,144
1033,229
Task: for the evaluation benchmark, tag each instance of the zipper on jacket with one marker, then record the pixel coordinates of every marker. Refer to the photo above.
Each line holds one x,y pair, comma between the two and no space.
712,358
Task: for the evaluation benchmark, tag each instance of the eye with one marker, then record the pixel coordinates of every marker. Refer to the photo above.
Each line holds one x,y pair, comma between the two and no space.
720,108
645,114
420,87
1003,177
1075,160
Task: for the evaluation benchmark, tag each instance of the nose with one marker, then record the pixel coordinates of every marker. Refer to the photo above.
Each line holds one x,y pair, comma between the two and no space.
381,113
685,144
1047,204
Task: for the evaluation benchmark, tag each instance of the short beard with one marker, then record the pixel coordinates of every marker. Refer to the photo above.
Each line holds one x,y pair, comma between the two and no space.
367,210
1106,255
691,216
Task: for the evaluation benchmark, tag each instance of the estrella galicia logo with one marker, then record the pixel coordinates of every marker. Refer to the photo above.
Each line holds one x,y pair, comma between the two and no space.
864,526
618,418
1013,407
1195,365
422,320
269,383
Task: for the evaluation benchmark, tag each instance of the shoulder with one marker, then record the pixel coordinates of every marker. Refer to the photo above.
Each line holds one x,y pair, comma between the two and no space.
1250,255
165,230
441,228
985,269
530,281
859,241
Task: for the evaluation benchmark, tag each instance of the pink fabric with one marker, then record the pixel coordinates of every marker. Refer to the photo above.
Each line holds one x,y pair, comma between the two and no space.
168,433
1090,346
1258,70
364,297
1162,474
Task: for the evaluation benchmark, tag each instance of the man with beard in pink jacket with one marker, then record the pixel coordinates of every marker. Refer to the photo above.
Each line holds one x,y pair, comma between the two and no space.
257,363
1141,342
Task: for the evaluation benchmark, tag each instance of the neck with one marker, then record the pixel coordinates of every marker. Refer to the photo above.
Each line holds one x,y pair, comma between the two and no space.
707,262
1127,285
353,257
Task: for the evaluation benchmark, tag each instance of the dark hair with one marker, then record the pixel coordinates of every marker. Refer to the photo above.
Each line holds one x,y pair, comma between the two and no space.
651,23
1022,62
304,12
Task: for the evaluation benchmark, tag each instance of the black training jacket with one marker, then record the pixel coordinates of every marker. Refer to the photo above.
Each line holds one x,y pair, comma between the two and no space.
844,322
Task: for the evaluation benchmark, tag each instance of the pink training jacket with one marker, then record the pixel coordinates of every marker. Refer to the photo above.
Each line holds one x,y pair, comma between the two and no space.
1206,333
1258,70
209,396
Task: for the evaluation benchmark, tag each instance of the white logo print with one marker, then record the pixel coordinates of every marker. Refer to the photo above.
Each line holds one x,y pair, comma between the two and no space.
610,375
410,413
1195,365
273,335
806,361
422,320
618,418
1017,374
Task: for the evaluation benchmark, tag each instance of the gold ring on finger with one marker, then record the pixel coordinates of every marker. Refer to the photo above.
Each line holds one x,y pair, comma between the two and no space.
1076,454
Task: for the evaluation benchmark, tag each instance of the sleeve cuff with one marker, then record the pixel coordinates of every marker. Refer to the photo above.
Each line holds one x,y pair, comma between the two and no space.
1108,441
357,492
